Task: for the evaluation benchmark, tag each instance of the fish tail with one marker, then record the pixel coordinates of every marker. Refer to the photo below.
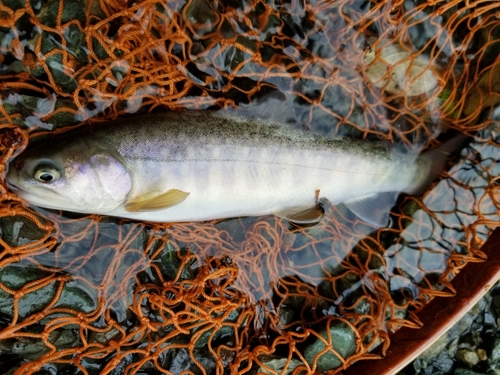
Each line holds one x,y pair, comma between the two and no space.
436,161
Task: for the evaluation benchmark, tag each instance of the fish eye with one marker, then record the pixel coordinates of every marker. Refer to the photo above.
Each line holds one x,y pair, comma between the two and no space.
46,174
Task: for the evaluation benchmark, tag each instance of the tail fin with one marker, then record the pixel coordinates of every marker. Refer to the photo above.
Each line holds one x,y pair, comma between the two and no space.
436,160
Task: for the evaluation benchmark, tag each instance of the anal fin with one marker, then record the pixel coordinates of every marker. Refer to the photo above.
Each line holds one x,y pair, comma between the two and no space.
374,209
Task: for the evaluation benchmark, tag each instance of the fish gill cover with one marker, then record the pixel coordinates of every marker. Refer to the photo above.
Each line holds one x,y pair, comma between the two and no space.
89,294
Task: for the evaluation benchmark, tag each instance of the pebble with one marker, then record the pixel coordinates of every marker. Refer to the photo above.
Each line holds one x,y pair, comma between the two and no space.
467,356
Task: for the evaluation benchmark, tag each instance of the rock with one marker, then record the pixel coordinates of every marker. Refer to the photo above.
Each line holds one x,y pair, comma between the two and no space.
468,356
226,331
443,362
74,296
277,364
183,362
494,359
19,230
287,316
389,65
437,347
343,342
482,354
466,371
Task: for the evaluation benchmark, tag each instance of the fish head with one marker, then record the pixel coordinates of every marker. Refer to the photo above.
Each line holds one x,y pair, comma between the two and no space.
74,176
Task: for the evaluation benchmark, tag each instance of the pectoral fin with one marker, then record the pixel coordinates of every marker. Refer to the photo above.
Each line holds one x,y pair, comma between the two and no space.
302,215
153,201
374,209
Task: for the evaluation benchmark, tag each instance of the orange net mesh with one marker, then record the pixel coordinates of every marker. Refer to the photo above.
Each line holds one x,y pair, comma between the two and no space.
89,294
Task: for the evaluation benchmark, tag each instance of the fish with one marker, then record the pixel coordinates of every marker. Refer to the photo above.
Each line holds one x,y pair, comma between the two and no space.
200,165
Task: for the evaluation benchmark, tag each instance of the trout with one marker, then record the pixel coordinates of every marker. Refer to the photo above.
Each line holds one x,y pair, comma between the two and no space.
196,166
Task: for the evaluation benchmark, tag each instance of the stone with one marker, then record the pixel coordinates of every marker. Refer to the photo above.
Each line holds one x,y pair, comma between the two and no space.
468,356
343,342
